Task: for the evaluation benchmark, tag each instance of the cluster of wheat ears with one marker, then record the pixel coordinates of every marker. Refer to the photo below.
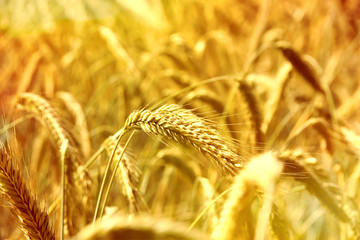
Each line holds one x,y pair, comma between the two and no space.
180,120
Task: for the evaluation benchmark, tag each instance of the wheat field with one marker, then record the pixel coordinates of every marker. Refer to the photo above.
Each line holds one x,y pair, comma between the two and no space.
171,119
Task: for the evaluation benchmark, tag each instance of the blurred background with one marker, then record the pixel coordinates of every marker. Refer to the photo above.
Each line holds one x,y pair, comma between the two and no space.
118,56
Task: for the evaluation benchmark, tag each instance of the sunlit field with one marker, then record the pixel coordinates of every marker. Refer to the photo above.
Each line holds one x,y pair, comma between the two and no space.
169,119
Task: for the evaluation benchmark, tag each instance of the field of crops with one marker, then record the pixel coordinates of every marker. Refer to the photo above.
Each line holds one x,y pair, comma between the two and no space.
169,119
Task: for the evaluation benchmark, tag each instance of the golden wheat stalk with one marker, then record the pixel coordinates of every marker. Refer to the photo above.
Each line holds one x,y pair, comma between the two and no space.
33,221
35,104
118,50
29,72
174,123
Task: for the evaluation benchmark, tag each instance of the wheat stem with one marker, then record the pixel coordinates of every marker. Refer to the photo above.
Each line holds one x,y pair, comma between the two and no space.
208,207
63,150
97,208
189,88
16,122
115,170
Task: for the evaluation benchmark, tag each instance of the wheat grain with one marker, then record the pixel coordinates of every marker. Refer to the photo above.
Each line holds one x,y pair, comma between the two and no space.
173,122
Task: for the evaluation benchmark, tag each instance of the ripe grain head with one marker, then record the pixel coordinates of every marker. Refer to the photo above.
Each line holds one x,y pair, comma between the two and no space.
36,104
34,222
173,122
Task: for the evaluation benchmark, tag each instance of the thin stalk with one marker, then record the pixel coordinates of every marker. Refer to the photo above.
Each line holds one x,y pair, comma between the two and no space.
189,88
16,122
207,208
93,158
242,76
63,150
114,172
279,128
120,133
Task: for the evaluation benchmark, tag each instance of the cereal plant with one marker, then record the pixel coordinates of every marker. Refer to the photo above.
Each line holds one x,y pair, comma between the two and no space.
191,119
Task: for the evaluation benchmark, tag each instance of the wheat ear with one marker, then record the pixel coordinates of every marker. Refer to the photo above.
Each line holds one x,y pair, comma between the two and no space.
309,69
261,172
75,109
128,175
253,104
34,222
173,122
35,104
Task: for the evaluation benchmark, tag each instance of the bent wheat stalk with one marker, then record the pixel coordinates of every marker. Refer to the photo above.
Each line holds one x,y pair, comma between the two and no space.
33,221
45,113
